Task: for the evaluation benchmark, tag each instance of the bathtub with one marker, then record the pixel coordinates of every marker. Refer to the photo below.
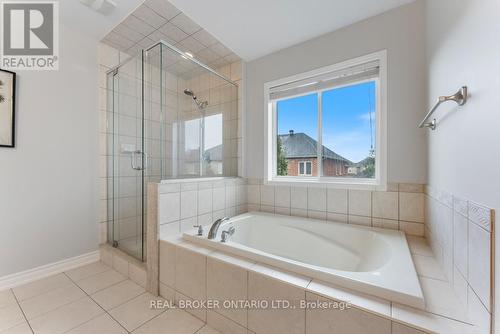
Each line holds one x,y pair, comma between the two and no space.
369,260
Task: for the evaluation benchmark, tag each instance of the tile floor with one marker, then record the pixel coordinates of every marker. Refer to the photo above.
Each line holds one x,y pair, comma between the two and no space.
90,299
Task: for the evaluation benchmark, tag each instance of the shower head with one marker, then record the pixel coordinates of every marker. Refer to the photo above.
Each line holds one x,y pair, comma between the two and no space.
201,105
189,92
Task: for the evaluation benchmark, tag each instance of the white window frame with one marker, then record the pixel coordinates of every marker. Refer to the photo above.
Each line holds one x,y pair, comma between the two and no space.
305,162
270,133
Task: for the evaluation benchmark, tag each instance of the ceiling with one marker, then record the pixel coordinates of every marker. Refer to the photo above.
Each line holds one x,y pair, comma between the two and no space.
157,20
256,28
76,15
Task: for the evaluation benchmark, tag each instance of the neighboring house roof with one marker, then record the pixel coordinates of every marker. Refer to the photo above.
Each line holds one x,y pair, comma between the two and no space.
214,153
300,145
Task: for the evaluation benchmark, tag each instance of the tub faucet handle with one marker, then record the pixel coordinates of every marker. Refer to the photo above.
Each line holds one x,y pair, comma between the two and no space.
200,229
226,234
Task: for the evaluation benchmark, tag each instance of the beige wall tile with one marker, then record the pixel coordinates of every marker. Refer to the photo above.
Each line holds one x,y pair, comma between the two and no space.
298,198
337,200
479,264
360,203
477,311
204,201
416,229
411,188
200,313
282,196
385,205
360,220
189,204
320,321
411,207
224,325
167,263
190,273
480,215
321,215
267,195
316,199
398,328
137,274
227,282
336,217
460,243
120,264
385,223
273,321
169,207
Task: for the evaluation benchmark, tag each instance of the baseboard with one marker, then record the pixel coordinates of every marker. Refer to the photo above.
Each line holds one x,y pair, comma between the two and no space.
23,277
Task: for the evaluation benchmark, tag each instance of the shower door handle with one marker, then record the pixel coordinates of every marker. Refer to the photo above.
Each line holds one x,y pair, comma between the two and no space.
134,160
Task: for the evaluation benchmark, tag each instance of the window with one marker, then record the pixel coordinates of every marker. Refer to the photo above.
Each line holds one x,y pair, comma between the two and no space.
328,125
305,168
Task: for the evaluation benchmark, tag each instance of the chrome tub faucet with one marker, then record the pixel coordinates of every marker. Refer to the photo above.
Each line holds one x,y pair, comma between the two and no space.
212,234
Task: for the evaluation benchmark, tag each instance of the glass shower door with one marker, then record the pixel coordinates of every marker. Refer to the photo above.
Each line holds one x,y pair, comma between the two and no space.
128,159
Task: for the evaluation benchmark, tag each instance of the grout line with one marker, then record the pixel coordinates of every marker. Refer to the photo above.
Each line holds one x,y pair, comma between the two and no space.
24,314
105,312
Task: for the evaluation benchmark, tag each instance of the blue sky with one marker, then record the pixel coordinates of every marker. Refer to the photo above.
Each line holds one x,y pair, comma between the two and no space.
346,118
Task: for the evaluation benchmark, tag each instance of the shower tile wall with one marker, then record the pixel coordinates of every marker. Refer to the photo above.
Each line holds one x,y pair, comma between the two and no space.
176,107
460,233
168,108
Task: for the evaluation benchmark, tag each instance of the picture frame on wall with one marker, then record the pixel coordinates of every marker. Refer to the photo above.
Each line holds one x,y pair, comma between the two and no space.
7,108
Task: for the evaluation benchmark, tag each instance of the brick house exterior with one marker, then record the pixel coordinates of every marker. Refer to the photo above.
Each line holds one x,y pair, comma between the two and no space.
300,148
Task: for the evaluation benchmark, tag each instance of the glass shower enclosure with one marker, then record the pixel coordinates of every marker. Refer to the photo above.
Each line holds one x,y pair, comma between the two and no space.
169,117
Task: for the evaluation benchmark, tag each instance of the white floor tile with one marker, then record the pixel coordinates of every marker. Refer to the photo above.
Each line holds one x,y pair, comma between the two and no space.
10,316
23,328
7,298
136,312
51,300
100,281
173,321
117,294
80,273
67,317
103,324
207,330
41,286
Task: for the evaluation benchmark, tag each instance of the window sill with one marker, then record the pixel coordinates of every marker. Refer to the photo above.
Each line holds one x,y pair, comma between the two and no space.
354,184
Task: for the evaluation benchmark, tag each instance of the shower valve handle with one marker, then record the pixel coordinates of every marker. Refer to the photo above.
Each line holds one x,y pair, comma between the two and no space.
200,229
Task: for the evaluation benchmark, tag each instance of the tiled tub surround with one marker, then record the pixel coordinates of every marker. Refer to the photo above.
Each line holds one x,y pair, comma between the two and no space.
192,272
365,259
400,207
184,204
461,234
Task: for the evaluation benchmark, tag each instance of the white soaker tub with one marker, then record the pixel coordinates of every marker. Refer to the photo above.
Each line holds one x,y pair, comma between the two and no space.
371,260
